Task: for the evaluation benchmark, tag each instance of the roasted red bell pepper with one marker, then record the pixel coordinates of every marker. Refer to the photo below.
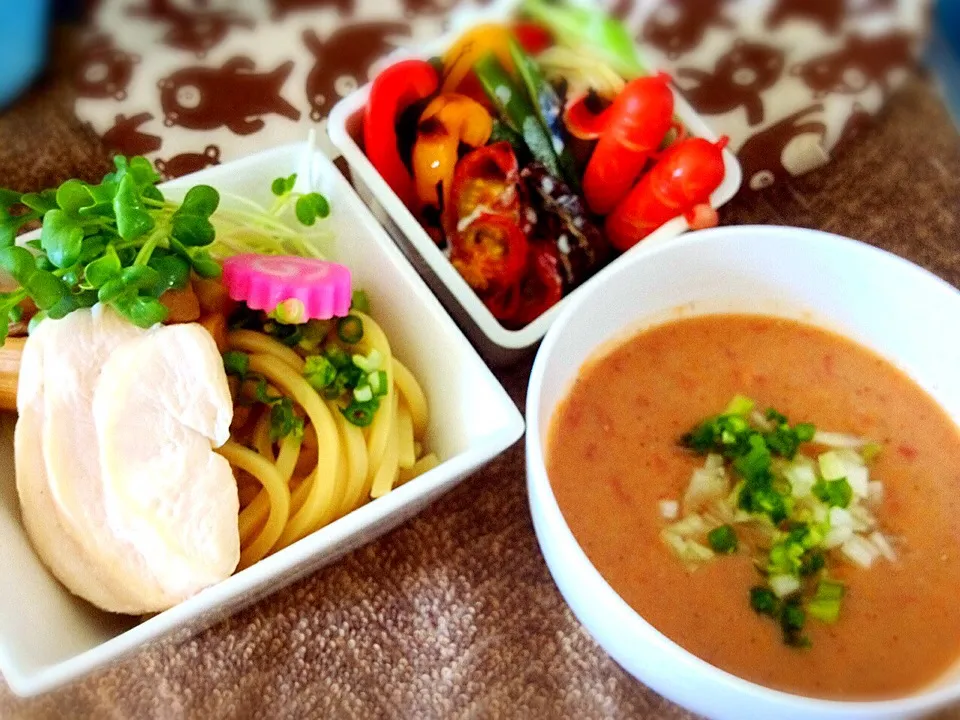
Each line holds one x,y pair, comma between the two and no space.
680,183
393,90
629,130
491,252
449,120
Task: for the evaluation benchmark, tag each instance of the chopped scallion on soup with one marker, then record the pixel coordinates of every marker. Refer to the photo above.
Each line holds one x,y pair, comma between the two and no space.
806,513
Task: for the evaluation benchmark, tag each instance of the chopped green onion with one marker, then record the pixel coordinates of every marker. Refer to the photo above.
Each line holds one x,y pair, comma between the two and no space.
825,605
792,620
336,388
363,394
360,302
723,539
740,405
314,332
813,562
360,413
805,431
835,493
378,382
775,416
350,329
319,372
763,601
370,362
352,376
784,585
338,357
236,362
284,421
831,466
290,312
870,451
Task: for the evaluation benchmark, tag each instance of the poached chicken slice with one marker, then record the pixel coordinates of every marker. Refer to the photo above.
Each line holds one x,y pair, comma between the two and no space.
61,501
127,543
162,402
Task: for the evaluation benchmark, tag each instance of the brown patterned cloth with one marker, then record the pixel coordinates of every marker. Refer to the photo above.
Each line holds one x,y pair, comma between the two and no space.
454,615
191,83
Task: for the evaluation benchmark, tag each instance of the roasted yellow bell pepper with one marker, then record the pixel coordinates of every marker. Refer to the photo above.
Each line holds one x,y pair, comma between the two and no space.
449,120
459,60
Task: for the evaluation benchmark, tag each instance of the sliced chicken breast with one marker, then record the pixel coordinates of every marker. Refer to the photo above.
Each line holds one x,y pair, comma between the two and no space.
120,490
53,537
161,406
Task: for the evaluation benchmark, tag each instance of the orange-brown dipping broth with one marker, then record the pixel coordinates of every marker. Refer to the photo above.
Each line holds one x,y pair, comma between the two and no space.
613,454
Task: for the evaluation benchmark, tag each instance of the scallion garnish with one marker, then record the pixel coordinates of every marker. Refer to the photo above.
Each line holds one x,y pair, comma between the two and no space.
338,357
319,372
360,302
236,363
284,420
763,601
723,539
378,382
350,329
363,394
825,604
800,509
361,413
835,493
792,619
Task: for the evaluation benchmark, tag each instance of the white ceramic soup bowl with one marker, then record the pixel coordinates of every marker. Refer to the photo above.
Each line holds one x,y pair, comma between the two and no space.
49,637
877,299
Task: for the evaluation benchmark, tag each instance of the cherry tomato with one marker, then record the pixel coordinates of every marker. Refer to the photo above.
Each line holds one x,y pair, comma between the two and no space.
491,251
485,180
541,288
533,37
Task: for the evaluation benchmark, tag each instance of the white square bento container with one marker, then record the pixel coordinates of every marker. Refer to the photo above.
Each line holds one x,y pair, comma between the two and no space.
49,637
497,344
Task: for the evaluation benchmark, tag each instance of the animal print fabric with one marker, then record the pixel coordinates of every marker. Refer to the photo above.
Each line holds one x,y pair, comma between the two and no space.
192,83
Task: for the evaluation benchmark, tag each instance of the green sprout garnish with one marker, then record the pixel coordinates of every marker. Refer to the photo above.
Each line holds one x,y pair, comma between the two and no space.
117,242
122,243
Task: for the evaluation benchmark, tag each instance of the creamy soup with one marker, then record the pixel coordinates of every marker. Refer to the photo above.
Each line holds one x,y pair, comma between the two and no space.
613,456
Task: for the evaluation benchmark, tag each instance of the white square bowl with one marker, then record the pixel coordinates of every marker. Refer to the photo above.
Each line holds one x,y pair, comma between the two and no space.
497,344
49,637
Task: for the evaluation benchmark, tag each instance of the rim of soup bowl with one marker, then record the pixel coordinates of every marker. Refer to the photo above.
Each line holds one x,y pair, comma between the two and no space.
560,547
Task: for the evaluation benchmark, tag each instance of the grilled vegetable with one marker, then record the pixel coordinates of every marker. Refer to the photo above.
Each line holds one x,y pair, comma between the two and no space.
395,89
448,121
517,111
562,220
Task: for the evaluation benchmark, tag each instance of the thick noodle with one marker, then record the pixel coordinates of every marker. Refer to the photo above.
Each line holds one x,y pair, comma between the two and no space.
256,343
355,448
412,395
335,467
381,427
322,481
266,472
